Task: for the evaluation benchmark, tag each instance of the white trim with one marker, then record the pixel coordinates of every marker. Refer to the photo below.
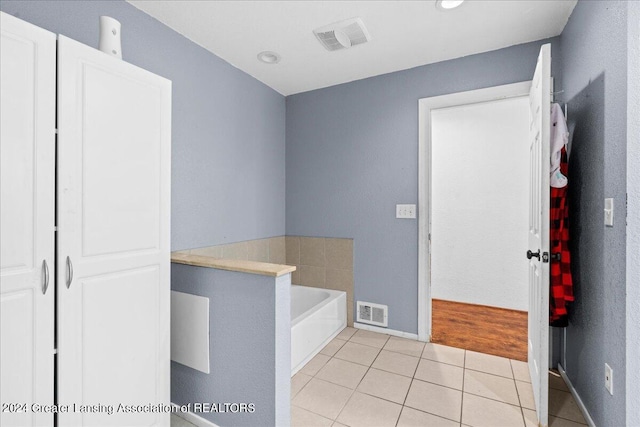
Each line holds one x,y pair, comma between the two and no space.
425,105
191,417
576,397
393,332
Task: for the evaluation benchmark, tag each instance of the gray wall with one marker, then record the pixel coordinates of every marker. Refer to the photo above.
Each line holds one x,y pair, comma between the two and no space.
594,68
228,155
352,155
633,216
247,311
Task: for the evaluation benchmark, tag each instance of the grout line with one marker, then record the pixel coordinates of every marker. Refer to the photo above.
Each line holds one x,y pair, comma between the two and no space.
491,373
464,370
391,372
518,393
567,419
444,363
404,401
301,388
490,398
440,385
415,370
513,374
352,392
524,419
324,416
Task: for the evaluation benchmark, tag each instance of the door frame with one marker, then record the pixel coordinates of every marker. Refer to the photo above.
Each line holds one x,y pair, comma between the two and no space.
425,105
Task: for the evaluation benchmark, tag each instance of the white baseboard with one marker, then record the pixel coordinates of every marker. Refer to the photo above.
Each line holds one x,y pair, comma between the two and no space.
192,418
393,332
577,398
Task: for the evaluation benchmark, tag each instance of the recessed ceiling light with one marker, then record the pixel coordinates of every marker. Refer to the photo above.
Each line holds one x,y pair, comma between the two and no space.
269,57
448,4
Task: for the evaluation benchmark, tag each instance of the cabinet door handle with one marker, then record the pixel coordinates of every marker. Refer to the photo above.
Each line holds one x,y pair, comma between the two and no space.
45,276
69,272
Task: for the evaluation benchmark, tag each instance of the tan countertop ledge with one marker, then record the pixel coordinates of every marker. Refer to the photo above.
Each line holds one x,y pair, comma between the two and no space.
243,266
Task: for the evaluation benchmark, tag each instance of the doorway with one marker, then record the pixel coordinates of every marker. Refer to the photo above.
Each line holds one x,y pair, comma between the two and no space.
474,181
479,208
538,141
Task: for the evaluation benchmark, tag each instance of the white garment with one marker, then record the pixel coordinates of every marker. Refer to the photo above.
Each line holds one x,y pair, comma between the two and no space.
559,139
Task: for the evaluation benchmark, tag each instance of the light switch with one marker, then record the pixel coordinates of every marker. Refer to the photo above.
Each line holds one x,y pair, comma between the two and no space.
608,212
406,211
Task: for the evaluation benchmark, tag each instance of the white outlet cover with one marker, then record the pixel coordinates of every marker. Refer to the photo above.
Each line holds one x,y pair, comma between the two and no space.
608,212
406,211
608,378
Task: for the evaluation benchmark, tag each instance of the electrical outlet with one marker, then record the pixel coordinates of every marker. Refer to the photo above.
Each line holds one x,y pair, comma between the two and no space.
608,378
406,211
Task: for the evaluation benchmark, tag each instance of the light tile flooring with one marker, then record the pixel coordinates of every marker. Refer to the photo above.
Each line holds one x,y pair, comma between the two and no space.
176,421
363,378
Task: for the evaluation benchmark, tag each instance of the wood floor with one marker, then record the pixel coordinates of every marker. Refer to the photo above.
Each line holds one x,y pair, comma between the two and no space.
480,328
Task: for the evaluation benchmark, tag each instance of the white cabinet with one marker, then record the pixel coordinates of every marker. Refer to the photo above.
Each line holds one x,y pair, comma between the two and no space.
27,157
112,194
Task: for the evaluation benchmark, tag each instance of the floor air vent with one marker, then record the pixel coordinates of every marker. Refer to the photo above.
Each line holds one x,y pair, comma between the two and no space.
373,314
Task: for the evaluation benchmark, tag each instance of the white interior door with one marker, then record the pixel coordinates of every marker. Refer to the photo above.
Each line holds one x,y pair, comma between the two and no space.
539,157
113,237
27,187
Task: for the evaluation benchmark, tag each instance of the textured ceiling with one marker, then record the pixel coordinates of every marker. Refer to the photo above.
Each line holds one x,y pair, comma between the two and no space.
405,34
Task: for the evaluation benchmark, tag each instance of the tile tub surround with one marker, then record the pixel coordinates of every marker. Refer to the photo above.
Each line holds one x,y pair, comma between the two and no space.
271,250
363,378
322,262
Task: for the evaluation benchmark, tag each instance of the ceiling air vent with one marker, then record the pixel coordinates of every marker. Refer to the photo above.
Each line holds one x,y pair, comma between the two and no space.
343,34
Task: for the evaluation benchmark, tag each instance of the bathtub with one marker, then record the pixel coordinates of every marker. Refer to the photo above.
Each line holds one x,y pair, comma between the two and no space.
317,316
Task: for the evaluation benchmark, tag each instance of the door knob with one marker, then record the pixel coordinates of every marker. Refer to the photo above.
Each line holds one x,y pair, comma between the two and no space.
533,254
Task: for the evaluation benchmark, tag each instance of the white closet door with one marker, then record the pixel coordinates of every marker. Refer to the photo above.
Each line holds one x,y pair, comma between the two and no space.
27,187
113,237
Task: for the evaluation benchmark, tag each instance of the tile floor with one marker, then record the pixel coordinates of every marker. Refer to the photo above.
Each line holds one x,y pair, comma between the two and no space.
363,378
176,421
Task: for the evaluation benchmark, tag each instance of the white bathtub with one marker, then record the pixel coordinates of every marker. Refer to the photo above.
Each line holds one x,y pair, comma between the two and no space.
317,316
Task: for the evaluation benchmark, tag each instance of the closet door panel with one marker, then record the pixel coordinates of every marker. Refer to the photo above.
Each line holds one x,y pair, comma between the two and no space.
129,300
27,189
121,164
113,242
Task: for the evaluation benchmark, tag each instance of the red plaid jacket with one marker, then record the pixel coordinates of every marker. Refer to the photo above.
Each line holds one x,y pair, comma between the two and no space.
561,283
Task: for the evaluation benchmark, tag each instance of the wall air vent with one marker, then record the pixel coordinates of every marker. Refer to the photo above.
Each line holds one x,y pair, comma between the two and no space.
373,314
343,34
